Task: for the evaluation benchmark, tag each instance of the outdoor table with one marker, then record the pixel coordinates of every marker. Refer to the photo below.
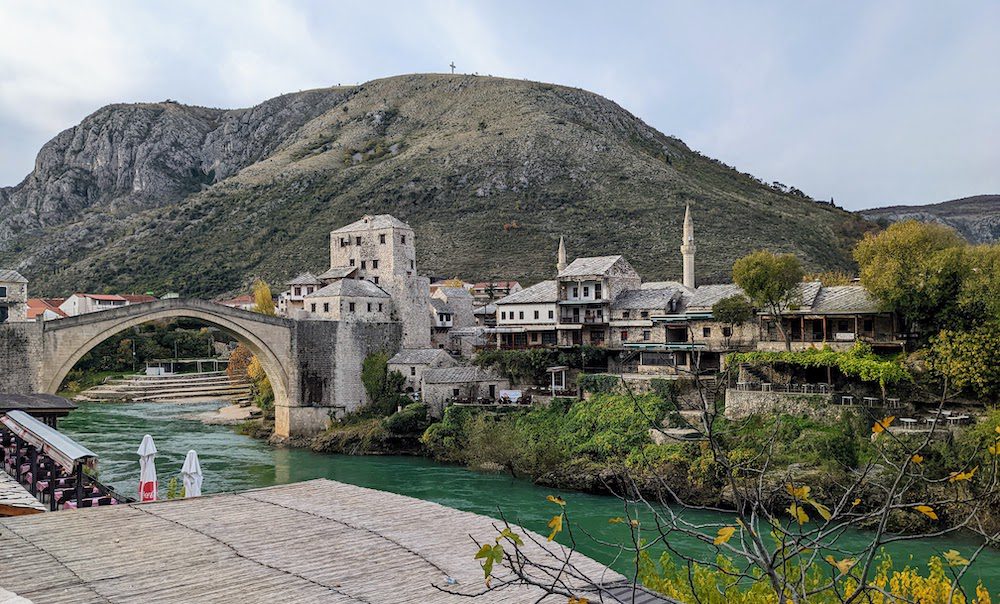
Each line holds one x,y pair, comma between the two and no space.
908,422
765,387
892,403
743,385
808,388
846,400
823,388
958,419
871,401
931,420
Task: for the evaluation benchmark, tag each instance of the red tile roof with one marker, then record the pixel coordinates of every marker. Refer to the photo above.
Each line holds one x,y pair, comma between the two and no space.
109,297
138,298
38,306
238,301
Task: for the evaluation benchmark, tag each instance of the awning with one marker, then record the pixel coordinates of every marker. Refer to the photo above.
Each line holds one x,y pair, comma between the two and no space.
62,449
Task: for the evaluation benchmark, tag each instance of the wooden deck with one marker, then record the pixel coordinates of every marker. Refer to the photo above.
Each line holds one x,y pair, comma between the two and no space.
315,541
15,500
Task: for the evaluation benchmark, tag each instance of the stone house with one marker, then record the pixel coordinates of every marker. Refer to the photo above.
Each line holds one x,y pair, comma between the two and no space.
350,300
486,316
835,316
413,362
450,308
13,297
382,249
527,318
586,288
440,387
632,313
298,288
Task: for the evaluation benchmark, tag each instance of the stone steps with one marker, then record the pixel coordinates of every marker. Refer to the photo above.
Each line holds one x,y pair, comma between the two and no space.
179,387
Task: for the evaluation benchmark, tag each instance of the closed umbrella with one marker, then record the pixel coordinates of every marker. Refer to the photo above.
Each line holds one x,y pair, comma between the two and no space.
191,474
147,469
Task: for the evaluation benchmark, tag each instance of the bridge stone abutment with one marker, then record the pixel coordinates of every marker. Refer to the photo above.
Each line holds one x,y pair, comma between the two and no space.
314,365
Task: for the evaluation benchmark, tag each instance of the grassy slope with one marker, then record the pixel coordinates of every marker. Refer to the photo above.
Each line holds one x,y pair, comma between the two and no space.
474,154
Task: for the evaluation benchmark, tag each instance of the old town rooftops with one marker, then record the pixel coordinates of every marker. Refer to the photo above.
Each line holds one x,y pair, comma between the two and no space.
353,288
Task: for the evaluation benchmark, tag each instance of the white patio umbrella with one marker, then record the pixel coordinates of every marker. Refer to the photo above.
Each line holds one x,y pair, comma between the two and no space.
191,474
147,469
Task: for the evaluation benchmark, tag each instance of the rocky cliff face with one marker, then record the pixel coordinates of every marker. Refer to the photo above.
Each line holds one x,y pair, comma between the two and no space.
976,218
489,172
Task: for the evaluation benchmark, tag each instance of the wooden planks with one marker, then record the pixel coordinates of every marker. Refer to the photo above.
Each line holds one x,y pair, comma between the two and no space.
316,541
15,500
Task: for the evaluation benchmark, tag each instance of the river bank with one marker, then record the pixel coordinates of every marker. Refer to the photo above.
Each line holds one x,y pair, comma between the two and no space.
232,462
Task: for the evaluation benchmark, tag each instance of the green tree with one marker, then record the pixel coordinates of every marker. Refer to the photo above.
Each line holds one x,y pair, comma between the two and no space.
263,300
382,386
914,269
771,282
969,359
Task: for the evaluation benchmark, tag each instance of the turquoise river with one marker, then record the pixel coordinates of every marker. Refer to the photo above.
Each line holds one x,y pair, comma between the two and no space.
232,462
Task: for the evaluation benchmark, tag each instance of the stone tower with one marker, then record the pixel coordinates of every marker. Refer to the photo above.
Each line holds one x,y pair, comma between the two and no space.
688,249
561,262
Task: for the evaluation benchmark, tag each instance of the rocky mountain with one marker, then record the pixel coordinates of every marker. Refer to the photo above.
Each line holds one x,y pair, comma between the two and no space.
976,218
489,172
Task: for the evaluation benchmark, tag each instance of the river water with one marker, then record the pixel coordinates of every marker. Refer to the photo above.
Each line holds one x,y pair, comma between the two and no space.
232,462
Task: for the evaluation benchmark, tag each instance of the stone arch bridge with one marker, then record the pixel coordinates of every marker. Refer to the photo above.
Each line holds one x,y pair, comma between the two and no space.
314,365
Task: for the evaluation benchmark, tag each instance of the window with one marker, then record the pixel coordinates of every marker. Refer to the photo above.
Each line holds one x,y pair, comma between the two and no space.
646,334
369,307
624,335
375,280
597,291
326,307
842,326
3,314
534,338
402,238
343,242
552,314
644,314
357,241
3,291
381,238
586,291
727,331
536,314
380,307
706,332
352,261
454,392
350,306
413,370
298,291
313,307
503,315
624,314
362,265
520,314
374,263
576,292
869,324
411,265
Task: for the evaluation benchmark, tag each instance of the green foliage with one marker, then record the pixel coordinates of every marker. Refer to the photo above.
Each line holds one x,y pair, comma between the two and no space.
969,359
611,426
174,489
769,280
914,269
149,341
528,366
447,440
412,419
734,310
599,383
858,362
382,386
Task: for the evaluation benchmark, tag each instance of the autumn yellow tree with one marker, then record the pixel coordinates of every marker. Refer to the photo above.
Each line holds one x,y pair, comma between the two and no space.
263,300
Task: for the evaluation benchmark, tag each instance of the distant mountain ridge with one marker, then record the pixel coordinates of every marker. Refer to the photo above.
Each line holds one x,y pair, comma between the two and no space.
977,218
488,171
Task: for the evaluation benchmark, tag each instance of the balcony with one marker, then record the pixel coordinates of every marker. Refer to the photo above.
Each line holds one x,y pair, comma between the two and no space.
584,319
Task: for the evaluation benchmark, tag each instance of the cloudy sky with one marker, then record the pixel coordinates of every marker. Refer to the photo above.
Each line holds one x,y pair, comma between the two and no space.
871,103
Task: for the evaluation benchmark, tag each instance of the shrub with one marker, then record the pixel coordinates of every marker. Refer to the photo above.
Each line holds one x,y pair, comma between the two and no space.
412,419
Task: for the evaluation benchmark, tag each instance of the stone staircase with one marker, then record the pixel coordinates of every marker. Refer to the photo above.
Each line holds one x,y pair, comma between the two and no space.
214,385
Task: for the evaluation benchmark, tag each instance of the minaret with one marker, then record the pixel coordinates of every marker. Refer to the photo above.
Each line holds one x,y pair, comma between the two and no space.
561,263
688,248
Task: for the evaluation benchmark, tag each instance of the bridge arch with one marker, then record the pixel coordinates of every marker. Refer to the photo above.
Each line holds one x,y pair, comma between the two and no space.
67,340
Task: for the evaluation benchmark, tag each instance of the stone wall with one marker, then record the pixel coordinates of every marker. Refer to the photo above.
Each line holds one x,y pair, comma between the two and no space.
741,404
20,349
411,298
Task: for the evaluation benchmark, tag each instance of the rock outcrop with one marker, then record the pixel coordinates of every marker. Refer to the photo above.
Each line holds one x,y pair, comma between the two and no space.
976,218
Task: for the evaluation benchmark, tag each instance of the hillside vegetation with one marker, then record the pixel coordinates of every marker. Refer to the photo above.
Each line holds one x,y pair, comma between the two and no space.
489,172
